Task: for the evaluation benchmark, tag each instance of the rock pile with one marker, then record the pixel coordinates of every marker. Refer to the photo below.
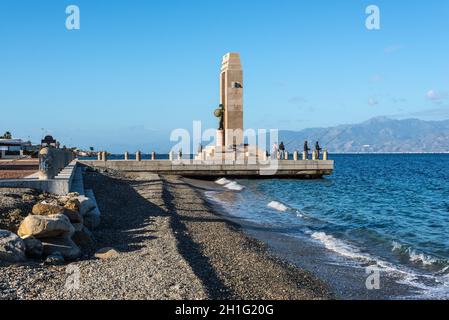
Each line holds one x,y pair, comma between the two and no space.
55,228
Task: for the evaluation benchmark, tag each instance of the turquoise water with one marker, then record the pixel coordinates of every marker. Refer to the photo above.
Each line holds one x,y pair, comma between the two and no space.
391,209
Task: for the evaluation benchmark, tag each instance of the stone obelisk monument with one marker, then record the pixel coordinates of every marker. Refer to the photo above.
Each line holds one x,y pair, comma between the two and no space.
231,99
229,137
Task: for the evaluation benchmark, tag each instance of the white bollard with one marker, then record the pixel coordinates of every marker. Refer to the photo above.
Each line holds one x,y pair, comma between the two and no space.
295,156
126,155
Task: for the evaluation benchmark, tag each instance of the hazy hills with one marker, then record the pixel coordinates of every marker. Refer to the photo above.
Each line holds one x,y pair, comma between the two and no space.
375,135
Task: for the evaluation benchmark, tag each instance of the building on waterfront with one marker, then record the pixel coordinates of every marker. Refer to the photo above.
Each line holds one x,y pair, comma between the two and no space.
13,148
49,141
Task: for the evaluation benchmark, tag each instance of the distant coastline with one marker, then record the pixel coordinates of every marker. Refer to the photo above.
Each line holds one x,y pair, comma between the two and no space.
377,135
384,153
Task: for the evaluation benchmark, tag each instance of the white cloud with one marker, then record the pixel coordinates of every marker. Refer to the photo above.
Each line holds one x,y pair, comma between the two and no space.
436,96
373,102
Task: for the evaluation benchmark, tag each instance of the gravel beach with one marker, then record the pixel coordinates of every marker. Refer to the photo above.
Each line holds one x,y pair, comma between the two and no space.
171,244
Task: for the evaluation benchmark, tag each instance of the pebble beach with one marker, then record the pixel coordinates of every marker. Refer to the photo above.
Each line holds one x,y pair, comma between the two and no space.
168,242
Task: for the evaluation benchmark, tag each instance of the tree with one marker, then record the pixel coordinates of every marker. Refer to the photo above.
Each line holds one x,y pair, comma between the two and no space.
91,149
7,135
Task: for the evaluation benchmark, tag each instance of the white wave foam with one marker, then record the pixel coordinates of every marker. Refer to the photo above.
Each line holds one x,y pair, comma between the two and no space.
230,185
339,246
222,181
413,255
407,277
300,214
396,246
234,186
278,206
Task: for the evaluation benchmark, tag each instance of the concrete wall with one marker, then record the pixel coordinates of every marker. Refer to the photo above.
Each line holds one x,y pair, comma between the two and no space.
60,185
58,178
57,159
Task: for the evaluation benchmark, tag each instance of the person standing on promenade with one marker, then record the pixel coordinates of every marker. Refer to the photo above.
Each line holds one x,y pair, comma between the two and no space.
306,148
318,149
282,150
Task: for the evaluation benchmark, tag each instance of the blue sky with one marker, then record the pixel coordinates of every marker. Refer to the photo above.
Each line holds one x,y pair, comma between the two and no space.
138,69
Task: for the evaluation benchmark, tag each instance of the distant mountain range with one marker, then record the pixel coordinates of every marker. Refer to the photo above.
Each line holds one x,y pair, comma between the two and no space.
376,135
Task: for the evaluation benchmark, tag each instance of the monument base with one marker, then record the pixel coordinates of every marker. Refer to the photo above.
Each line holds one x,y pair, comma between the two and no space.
240,153
219,138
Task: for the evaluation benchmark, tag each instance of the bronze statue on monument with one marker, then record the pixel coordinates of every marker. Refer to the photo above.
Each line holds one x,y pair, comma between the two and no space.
219,113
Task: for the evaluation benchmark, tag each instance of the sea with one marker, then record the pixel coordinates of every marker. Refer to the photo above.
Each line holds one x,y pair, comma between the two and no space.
378,228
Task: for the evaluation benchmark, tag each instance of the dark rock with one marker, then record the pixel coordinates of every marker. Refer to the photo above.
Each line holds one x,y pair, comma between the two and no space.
12,248
34,248
65,246
55,258
83,237
74,216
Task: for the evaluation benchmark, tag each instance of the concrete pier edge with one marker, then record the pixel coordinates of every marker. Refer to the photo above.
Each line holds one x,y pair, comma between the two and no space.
197,168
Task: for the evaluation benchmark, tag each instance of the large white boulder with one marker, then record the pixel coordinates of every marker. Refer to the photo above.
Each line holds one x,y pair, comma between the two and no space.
57,225
86,205
45,209
93,217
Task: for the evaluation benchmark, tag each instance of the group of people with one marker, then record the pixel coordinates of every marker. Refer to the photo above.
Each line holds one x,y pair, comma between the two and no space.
281,149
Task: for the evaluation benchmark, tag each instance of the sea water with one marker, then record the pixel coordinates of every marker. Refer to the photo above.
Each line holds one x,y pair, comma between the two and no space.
390,210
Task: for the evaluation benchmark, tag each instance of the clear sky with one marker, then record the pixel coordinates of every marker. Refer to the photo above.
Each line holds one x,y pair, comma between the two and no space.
138,69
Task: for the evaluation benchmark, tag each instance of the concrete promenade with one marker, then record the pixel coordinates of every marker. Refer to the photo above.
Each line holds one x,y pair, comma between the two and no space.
197,168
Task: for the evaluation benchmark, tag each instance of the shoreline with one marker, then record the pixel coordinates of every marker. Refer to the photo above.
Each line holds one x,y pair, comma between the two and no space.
171,245
345,277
